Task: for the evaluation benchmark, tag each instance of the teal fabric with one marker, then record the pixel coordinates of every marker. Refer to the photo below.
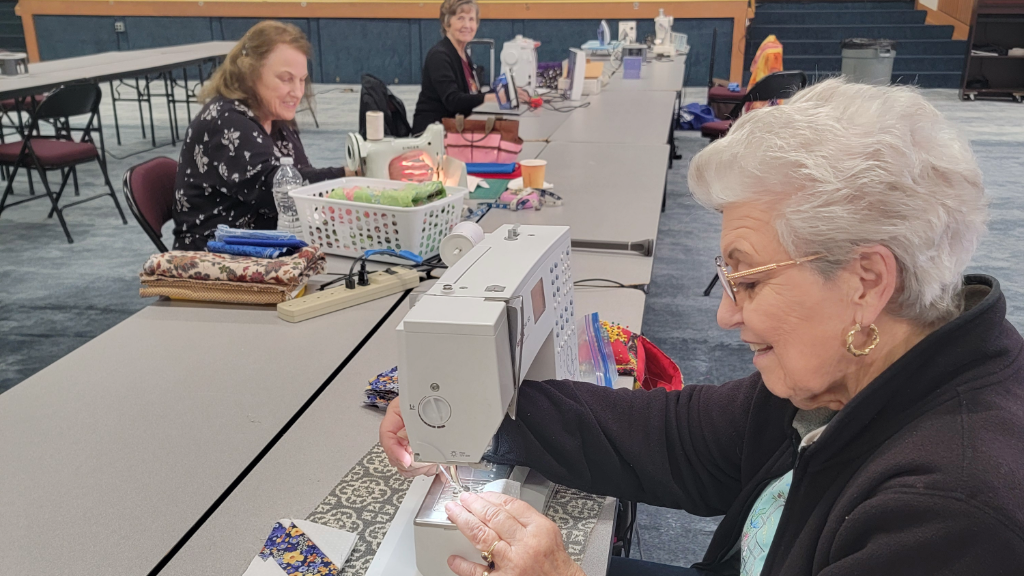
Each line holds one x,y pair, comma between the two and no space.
761,524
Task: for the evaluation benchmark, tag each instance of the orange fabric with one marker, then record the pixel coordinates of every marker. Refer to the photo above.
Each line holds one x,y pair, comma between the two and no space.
768,60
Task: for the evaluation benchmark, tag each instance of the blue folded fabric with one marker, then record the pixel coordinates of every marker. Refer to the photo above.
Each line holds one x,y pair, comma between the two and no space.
242,250
490,168
285,243
224,232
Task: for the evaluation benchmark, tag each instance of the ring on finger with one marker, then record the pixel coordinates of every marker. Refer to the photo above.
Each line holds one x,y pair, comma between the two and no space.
487,556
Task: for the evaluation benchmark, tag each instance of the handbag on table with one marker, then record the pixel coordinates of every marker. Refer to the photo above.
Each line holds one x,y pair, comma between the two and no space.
482,141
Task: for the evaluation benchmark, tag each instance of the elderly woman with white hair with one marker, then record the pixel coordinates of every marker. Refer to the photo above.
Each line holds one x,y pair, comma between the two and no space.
882,431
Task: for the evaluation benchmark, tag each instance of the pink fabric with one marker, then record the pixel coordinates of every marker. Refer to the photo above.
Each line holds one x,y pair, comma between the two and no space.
473,147
508,152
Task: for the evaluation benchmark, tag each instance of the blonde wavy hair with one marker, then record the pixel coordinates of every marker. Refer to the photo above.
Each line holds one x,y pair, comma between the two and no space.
236,78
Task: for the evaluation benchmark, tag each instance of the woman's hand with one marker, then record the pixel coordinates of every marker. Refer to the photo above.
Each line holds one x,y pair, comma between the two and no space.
524,97
525,542
395,441
490,97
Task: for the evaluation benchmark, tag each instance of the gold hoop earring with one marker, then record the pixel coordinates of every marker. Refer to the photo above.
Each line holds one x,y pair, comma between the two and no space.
864,352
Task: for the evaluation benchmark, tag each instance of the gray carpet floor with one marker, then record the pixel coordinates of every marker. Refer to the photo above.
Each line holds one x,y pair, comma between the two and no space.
56,296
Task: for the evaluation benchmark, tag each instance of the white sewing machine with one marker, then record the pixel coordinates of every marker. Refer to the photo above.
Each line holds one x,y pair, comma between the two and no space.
519,58
501,314
374,157
663,45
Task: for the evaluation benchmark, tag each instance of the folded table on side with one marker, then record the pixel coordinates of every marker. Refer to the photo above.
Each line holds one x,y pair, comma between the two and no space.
126,442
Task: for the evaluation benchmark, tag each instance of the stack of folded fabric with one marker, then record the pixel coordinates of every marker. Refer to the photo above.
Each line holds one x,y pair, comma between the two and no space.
255,243
497,177
382,389
215,277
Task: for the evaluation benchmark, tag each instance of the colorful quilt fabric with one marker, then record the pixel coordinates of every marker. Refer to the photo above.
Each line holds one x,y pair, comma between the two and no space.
382,389
290,271
621,337
638,357
296,553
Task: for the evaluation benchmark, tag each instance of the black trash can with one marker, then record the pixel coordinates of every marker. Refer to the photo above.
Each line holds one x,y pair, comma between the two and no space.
868,61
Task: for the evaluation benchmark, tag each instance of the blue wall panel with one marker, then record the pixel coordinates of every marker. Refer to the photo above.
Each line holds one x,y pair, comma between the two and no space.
699,34
344,49
156,32
68,36
380,47
235,28
557,36
498,30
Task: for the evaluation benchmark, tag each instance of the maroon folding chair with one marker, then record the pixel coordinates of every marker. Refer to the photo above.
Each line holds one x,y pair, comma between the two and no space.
720,98
775,86
61,151
149,193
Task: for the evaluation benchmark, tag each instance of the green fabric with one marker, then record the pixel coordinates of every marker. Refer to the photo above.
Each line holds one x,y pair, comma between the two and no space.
762,522
408,196
492,193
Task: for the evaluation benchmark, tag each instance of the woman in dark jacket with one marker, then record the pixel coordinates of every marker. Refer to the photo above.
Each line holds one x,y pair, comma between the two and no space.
232,147
881,433
450,85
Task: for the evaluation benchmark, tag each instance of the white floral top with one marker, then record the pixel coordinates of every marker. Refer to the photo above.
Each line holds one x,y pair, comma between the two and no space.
226,172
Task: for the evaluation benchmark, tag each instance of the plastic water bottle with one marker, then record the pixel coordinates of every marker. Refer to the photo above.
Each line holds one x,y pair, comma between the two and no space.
286,180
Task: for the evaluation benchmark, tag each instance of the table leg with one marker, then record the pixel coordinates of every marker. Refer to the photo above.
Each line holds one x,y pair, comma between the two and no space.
149,102
113,104
169,91
142,119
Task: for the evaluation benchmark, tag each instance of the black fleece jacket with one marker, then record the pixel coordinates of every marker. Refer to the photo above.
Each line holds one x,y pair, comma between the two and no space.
445,92
921,473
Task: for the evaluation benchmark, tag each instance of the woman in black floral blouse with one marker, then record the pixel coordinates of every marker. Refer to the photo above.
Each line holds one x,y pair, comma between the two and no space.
231,150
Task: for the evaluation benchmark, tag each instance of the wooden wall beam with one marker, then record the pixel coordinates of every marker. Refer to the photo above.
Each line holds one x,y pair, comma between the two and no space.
736,10
28,25
961,30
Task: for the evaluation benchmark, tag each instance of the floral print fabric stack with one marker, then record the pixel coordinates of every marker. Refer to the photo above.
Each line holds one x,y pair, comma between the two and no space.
296,553
226,278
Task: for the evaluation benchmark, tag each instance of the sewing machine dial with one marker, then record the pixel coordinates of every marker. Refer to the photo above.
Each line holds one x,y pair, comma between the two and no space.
434,411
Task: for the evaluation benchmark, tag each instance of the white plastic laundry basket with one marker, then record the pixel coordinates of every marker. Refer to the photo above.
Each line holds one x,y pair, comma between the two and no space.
350,228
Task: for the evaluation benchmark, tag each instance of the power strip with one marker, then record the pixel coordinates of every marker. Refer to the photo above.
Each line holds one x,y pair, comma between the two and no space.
382,283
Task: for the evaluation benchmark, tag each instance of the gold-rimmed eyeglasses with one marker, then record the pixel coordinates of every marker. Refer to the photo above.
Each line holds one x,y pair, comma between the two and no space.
726,278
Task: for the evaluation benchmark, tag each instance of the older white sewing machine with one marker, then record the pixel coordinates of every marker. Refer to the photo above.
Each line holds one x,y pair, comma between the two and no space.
501,314
519,59
663,45
374,157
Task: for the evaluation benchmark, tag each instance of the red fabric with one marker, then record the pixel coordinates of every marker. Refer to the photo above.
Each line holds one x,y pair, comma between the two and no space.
636,356
152,189
620,337
654,369
50,152
715,130
517,173
469,78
